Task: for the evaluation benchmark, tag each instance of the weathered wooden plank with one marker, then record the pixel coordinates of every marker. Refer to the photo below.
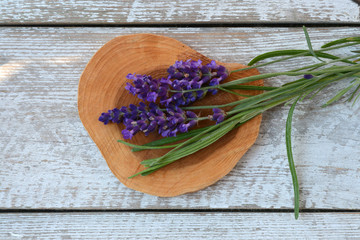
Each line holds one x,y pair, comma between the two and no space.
179,226
48,160
188,11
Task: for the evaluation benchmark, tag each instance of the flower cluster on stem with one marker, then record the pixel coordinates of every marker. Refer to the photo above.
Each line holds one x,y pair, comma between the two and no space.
149,118
183,75
168,92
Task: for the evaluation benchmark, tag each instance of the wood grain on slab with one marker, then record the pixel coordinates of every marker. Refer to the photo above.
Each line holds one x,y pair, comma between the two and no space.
49,161
102,87
216,225
185,11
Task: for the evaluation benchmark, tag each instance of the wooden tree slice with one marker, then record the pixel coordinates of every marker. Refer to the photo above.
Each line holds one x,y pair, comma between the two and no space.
102,87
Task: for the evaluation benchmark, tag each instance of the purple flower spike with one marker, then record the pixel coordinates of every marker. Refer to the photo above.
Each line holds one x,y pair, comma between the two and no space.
188,75
183,75
149,118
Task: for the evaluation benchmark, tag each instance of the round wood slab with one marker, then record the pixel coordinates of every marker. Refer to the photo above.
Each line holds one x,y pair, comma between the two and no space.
102,87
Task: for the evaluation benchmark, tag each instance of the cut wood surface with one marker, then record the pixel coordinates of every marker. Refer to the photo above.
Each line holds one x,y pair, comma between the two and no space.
216,225
185,11
102,87
49,161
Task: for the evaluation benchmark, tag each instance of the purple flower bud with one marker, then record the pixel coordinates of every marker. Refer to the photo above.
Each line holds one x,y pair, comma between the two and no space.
178,64
215,81
308,76
192,123
132,107
142,107
200,94
178,75
212,65
221,69
160,121
127,134
152,126
190,97
165,81
184,127
213,91
114,115
151,97
130,88
171,70
166,102
172,133
196,64
190,114
105,118
218,116
165,133
163,91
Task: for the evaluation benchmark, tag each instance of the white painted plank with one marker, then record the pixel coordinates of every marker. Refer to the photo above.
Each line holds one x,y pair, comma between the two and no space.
48,160
142,11
236,225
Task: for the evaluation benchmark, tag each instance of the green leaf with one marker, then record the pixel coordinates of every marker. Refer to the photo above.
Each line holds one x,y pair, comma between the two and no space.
251,87
317,91
205,141
294,52
340,94
357,97
340,41
308,41
168,140
330,56
142,147
353,94
276,54
235,93
197,137
291,159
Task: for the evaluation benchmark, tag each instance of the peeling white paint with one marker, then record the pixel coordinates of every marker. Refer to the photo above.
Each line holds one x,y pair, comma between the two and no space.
48,160
111,11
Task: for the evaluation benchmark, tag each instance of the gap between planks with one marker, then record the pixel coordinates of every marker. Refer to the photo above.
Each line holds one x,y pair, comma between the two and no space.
189,25
215,210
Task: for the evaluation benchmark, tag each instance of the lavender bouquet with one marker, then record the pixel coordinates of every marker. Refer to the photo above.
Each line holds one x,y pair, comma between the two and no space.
166,107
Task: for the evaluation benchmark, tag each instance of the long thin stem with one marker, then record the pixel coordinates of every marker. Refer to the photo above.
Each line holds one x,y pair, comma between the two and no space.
291,159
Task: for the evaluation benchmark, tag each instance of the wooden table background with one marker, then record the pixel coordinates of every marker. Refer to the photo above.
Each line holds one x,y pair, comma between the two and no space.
54,182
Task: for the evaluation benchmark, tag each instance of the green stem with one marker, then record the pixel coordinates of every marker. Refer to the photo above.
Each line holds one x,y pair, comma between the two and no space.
317,65
310,45
142,147
235,93
291,159
276,74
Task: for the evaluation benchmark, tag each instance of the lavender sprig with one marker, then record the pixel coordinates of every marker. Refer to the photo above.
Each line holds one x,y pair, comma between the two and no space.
149,118
183,75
